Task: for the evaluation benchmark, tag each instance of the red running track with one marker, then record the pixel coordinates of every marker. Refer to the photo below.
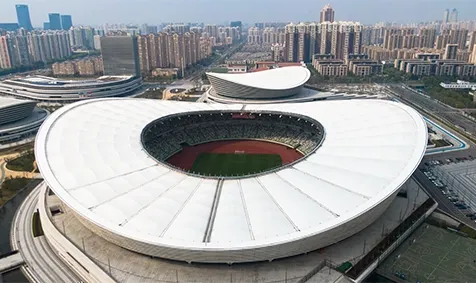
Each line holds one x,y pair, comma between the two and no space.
185,158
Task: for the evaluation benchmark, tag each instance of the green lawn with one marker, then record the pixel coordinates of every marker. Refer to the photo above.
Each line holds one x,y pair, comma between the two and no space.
23,163
10,187
229,164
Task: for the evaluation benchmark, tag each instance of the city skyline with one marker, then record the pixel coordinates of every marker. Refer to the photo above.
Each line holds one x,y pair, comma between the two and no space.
91,12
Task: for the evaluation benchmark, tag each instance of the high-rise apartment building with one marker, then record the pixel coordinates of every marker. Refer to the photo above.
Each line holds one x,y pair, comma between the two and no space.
143,48
23,16
451,51
97,42
472,59
290,51
120,55
66,22
5,62
327,14
55,21
254,35
22,50
339,39
211,30
82,37
427,37
171,50
472,41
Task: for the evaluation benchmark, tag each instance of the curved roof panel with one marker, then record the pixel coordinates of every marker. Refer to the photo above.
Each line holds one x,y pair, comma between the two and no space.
274,79
91,156
12,110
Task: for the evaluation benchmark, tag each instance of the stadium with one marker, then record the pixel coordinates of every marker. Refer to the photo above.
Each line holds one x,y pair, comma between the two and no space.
47,89
19,121
279,85
228,183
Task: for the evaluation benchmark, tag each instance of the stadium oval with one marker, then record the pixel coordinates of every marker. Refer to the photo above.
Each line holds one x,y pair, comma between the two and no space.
90,154
164,137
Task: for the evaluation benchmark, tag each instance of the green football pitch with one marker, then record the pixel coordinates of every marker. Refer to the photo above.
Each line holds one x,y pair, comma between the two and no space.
229,164
433,254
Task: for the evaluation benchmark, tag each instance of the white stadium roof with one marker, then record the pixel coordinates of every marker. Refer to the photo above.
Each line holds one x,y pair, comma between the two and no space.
90,154
273,79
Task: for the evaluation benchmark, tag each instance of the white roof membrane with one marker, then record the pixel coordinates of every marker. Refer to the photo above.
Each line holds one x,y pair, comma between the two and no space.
90,154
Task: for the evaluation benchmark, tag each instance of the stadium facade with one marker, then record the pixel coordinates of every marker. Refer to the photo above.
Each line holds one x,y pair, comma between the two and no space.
279,85
19,121
100,159
49,89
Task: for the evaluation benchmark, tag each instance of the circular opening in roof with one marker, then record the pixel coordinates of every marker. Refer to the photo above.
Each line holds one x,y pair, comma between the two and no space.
230,144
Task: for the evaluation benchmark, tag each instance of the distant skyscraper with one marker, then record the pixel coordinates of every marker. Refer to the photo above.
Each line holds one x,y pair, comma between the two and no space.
327,14
23,16
66,22
9,26
46,25
446,16
55,21
120,55
237,24
453,16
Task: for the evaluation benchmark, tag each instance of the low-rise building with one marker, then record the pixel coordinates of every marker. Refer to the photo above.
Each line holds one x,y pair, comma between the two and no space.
165,72
82,67
332,68
439,67
67,68
238,68
364,67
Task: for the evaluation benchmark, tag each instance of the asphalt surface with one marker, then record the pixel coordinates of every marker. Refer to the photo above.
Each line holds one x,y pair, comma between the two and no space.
42,263
444,204
446,113
2,172
450,116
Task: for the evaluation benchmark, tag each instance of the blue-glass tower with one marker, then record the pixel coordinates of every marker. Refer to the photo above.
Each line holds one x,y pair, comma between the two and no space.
66,22
23,16
55,21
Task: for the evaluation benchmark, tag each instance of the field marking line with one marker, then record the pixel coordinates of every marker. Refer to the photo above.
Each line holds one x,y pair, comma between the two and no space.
432,265
408,247
447,253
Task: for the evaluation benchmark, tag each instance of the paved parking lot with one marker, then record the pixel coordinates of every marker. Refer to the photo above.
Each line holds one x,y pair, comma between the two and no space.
456,181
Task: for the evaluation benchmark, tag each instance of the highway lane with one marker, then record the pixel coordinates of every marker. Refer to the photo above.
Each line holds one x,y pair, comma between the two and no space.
42,263
446,113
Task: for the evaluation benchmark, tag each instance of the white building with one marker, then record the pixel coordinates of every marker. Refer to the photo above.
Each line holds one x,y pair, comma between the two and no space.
91,154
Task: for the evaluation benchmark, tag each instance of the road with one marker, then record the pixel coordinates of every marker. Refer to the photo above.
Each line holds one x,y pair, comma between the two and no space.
2,171
444,204
432,106
42,263
450,116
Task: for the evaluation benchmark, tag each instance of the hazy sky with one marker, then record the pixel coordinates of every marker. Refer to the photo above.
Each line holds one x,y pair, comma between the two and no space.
93,12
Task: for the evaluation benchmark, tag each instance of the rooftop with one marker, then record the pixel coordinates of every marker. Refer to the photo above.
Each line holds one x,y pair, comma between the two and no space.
110,180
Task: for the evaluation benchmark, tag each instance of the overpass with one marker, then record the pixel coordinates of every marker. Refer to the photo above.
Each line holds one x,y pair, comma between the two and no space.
10,261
